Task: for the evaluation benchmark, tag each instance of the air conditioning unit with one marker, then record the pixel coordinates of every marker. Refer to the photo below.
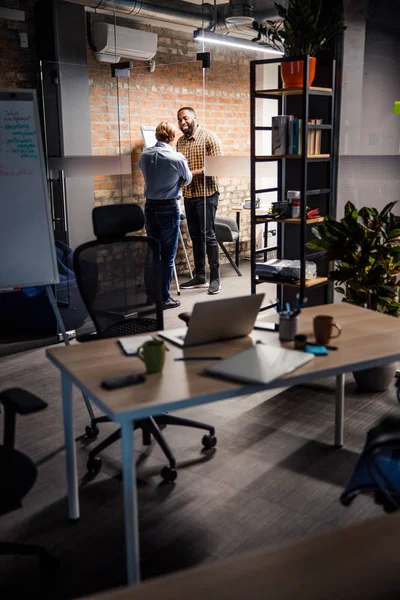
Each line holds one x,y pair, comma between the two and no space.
113,43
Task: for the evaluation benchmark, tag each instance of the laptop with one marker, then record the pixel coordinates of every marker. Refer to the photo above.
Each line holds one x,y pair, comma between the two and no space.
216,321
260,364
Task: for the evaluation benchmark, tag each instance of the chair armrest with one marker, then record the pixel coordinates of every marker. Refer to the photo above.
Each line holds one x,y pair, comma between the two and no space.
87,337
384,442
21,402
185,316
384,436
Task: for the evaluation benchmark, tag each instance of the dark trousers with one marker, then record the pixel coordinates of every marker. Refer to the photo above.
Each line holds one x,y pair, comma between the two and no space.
194,209
162,223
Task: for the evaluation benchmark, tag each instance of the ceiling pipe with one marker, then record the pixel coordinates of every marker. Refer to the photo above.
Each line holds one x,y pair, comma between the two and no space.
177,11
198,16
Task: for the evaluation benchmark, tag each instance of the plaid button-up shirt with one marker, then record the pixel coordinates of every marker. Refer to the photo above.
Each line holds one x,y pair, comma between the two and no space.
193,149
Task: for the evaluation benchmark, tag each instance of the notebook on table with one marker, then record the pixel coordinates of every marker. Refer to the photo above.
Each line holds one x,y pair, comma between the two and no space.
131,344
260,364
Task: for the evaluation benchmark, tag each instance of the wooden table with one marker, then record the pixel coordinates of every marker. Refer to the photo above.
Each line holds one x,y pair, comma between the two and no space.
368,339
360,562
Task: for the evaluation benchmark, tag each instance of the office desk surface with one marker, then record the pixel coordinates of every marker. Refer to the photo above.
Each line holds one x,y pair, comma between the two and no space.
360,562
368,339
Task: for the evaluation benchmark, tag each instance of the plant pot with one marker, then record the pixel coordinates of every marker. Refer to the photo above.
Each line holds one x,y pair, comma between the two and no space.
292,73
377,379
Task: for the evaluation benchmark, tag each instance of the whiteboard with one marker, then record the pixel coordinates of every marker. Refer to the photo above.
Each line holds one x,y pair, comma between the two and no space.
148,135
27,250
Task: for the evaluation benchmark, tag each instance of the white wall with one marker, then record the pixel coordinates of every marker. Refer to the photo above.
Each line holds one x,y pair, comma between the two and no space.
369,164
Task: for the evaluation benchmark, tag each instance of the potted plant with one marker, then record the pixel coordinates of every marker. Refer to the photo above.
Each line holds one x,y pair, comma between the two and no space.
303,29
365,248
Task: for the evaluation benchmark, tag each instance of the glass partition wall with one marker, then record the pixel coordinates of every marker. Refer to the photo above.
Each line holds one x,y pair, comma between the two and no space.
99,117
226,113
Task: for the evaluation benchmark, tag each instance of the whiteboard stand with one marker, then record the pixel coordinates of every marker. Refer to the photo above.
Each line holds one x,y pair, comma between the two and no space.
57,314
60,323
25,209
178,289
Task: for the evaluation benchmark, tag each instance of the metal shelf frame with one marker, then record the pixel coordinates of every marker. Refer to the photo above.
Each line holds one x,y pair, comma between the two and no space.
280,95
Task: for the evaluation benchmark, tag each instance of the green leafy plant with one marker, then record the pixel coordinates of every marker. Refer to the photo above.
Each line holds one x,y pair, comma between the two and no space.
366,250
302,28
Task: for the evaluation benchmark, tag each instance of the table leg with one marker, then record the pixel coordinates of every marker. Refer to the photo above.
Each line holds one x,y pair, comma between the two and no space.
237,245
130,504
339,411
70,449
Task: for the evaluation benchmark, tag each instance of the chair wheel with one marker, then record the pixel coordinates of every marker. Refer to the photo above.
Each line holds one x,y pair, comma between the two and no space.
91,431
94,464
209,441
169,474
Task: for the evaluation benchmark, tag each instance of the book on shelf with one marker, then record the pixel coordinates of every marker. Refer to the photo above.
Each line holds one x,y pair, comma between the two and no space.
317,132
311,139
294,129
300,148
286,136
279,135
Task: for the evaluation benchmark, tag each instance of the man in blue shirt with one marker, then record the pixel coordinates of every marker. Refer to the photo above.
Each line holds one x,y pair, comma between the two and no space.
164,170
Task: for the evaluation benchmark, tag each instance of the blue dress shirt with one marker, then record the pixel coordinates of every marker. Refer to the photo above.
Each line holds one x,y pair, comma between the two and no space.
163,170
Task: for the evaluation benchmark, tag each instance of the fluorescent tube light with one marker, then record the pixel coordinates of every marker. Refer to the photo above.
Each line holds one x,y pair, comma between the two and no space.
209,37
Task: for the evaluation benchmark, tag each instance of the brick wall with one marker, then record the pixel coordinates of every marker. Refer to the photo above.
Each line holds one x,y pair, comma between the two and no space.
17,65
120,107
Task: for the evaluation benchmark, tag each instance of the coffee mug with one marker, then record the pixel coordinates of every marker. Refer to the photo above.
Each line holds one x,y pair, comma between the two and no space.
152,353
323,326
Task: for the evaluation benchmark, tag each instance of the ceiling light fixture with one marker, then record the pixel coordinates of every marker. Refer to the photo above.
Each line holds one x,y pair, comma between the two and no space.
209,37
240,12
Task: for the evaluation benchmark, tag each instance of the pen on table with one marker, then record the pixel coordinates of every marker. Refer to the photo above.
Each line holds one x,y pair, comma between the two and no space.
297,301
157,340
297,309
199,358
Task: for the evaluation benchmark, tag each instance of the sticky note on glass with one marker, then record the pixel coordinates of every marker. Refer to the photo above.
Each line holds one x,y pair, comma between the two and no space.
396,107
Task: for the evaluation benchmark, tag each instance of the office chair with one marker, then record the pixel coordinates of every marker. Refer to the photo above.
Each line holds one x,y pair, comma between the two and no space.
118,277
378,468
227,230
18,473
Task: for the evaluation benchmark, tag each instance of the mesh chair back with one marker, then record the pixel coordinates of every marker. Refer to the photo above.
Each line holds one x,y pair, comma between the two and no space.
115,220
120,284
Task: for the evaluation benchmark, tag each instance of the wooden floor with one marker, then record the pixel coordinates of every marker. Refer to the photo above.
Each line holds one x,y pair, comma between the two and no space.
274,477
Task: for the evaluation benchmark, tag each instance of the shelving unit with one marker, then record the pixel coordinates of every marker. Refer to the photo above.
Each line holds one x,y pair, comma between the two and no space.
313,175
294,221
308,283
293,157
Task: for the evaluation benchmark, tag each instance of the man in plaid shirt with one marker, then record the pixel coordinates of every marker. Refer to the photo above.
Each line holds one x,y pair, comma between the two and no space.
202,193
